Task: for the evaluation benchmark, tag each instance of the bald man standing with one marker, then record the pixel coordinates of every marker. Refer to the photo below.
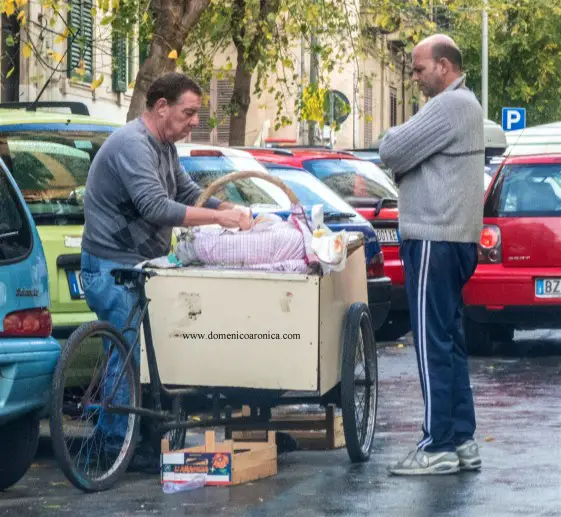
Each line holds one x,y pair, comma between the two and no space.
437,158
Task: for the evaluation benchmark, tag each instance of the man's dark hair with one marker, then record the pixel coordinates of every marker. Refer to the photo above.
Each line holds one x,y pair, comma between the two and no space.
170,87
449,52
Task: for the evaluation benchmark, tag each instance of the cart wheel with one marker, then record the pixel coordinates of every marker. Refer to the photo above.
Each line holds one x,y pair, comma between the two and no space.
81,383
359,382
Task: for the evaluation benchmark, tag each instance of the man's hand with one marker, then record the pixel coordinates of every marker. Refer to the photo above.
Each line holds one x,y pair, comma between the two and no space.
226,205
241,218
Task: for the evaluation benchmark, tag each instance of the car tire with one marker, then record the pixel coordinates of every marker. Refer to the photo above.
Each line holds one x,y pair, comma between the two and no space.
478,338
395,327
502,334
19,440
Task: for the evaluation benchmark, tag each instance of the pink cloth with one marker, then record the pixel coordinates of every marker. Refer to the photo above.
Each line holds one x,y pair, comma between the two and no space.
276,247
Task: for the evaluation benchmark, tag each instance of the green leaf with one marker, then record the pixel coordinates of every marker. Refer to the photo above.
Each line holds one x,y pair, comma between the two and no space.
10,72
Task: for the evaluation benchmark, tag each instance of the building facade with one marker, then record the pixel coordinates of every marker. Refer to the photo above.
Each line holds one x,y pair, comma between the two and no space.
377,89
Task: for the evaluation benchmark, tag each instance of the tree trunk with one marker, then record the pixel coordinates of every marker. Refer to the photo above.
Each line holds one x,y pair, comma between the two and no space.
173,19
241,98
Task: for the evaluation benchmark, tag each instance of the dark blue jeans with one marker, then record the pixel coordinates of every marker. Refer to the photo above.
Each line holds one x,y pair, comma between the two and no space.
435,275
112,303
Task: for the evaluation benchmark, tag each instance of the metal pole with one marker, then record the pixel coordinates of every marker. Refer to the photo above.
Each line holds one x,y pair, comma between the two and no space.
485,62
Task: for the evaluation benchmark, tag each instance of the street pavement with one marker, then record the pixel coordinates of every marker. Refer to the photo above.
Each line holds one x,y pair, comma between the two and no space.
517,394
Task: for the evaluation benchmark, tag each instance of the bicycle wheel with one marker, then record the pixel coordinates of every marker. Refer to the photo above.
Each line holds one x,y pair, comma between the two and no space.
92,445
359,383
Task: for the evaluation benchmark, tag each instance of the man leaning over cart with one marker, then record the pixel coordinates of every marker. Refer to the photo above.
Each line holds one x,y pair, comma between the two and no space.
136,193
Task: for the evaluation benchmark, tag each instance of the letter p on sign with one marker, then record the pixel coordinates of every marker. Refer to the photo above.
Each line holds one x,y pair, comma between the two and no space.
513,119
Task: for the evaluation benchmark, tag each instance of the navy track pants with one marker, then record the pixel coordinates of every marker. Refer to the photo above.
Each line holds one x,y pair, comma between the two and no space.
435,274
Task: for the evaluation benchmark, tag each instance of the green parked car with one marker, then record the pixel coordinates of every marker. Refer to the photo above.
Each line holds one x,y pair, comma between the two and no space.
49,154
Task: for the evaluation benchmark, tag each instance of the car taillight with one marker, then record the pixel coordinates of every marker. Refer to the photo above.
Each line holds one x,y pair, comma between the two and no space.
376,266
206,152
490,245
28,323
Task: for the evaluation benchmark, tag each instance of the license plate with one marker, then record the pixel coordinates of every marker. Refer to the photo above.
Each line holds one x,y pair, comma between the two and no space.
75,285
548,288
387,236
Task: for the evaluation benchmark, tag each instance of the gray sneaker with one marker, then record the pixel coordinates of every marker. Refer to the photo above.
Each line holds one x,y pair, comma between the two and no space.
468,453
419,462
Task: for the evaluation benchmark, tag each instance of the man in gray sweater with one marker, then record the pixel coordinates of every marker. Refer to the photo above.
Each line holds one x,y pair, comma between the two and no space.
437,158
136,193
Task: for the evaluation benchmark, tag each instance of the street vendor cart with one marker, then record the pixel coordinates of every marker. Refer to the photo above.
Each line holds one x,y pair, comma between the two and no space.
211,340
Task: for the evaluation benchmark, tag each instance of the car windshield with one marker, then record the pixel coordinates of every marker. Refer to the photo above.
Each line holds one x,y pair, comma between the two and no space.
311,191
353,178
533,189
253,192
51,170
15,232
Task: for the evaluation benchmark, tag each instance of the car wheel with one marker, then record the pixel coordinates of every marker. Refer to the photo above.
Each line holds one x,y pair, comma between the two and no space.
395,326
502,334
18,444
478,338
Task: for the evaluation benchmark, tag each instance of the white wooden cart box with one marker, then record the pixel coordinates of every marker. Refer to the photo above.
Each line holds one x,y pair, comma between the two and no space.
249,329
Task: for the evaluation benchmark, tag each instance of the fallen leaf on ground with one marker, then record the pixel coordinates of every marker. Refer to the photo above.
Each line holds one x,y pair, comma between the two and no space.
489,439
400,345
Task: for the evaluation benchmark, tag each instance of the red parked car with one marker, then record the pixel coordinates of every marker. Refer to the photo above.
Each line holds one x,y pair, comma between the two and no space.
374,195
517,283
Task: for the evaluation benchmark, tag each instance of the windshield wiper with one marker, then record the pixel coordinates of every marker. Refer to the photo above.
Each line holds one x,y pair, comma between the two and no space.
9,234
331,216
384,201
54,217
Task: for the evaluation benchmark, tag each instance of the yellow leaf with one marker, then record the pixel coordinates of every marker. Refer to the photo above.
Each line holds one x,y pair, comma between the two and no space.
489,439
97,83
56,56
132,84
9,74
61,37
21,3
145,17
22,18
27,50
173,54
81,71
10,7
94,12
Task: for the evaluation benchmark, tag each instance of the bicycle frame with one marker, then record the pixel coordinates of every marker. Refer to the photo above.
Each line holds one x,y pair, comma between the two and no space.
138,280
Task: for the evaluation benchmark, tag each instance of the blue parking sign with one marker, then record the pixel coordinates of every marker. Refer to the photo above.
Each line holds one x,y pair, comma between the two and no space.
514,118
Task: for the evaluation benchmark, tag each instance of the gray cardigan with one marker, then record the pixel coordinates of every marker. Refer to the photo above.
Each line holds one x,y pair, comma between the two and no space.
437,157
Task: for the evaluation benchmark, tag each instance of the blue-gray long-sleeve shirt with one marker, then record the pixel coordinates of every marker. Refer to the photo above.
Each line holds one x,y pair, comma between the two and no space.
136,192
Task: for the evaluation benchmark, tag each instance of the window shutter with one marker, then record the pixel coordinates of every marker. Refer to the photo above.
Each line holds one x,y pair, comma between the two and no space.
201,133
119,51
224,88
80,19
393,107
367,114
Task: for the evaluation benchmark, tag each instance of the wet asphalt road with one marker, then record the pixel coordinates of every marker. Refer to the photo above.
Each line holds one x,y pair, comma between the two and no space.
517,395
